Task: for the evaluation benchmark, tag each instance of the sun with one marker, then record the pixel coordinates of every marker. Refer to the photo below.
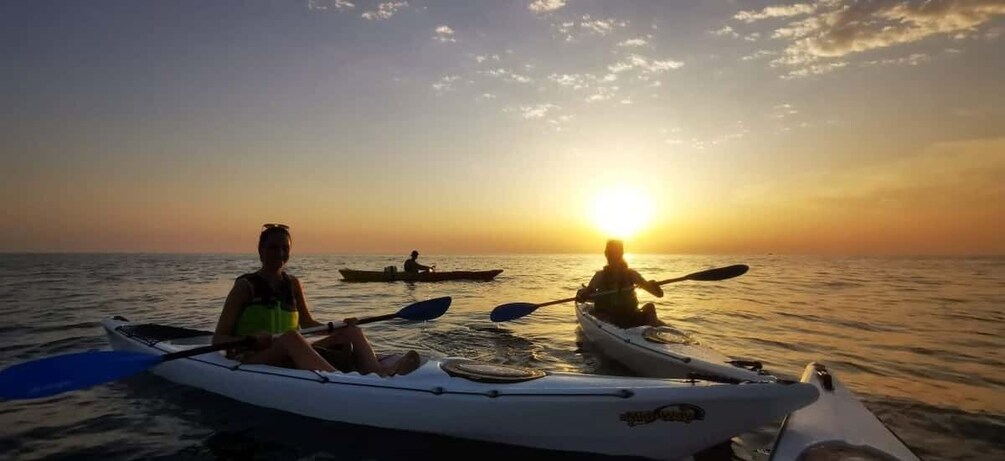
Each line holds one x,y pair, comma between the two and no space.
622,211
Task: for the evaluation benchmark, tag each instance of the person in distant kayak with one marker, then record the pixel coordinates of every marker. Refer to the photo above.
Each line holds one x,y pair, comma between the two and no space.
271,302
620,307
413,266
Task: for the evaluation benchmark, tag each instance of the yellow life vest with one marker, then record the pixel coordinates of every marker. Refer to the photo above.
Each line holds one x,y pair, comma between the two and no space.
274,311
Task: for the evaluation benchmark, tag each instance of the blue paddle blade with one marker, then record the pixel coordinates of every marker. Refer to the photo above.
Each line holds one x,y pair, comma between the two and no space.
504,312
425,310
69,372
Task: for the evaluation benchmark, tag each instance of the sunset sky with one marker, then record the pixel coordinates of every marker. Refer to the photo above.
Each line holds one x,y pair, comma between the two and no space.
833,127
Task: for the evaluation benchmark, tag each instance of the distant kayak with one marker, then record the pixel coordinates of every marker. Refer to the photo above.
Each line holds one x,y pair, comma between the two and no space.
662,352
469,399
837,426
352,275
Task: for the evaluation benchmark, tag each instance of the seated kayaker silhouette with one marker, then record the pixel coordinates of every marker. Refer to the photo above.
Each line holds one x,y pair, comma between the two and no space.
620,307
413,266
270,301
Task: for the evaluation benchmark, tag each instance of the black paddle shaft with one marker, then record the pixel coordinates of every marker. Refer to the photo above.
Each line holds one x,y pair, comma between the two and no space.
720,273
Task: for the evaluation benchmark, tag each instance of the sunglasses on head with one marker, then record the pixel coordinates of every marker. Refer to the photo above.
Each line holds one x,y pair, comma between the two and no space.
271,225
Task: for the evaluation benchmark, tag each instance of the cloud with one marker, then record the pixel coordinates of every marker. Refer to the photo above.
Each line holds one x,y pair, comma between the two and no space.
587,26
782,111
602,93
726,31
321,5
445,84
759,54
775,12
635,42
912,60
537,111
557,122
444,34
482,58
384,10
645,65
506,75
831,30
544,6
574,81
814,69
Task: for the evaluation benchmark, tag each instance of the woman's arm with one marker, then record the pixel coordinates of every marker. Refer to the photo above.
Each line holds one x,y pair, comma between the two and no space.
306,320
584,293
239,295
649,285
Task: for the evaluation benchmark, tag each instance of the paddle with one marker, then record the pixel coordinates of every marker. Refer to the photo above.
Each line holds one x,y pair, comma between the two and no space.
511,311
68,372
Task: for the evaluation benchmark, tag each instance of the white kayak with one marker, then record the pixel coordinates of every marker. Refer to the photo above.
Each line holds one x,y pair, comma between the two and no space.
836,427
653,418
662,352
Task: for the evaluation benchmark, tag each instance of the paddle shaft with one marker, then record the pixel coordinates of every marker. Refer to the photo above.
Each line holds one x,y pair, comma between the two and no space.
707,275
250,341
332,326
240,343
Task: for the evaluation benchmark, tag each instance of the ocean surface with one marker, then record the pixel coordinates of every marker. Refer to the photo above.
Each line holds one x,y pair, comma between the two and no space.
920,340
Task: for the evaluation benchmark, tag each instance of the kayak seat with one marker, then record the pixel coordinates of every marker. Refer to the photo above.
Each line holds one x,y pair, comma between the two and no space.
484,372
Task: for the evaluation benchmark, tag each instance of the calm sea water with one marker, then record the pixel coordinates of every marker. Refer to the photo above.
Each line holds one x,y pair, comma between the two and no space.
921,340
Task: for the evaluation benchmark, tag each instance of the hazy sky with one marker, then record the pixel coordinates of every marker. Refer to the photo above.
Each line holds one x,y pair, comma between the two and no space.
833,127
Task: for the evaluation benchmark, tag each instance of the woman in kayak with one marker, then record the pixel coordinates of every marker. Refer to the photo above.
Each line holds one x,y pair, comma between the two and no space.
620,307
271,302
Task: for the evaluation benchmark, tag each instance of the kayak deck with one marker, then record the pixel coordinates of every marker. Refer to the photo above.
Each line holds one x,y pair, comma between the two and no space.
611,415
836,426
664,352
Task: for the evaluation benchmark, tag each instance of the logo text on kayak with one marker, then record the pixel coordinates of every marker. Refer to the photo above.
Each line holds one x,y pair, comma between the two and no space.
678,412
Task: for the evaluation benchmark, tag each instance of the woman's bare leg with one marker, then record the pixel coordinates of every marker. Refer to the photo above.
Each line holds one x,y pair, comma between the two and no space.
290,346
362,351
649,313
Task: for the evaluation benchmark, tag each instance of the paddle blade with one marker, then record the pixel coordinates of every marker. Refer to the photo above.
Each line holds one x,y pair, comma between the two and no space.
425,310
69,372
721,273
511,311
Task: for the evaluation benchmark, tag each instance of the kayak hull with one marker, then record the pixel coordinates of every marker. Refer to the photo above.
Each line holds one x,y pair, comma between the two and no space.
352,275
836,424
652,418
655,352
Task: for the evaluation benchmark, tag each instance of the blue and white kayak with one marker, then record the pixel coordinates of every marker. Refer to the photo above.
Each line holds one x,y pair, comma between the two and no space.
662,352
652,418
836,427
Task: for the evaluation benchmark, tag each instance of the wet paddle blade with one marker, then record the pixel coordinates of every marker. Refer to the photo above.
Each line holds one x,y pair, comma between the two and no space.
511,311
425,310
721,273
68,372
